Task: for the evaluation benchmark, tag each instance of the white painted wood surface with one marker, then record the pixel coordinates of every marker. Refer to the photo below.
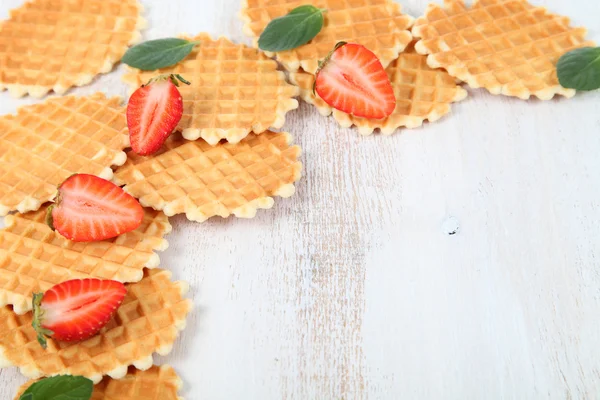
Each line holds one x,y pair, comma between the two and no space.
352,289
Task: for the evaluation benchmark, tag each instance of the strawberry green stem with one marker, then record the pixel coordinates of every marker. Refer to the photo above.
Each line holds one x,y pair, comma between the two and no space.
38,317
174,78
181,78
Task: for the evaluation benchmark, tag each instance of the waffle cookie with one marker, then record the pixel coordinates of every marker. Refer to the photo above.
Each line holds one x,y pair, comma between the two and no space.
44,144
156,383
204,181
422,93
234,90
379,25
34,258
509,47
148,321
55,45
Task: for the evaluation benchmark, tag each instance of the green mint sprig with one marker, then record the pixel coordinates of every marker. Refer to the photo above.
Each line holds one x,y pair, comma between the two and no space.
159,53
61,387
580,69
298,27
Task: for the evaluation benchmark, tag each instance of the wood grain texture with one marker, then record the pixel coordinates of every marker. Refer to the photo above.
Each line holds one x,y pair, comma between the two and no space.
351,289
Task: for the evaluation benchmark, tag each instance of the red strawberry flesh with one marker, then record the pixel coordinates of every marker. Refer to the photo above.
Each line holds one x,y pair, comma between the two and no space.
153,112
90,208
353,80
77,309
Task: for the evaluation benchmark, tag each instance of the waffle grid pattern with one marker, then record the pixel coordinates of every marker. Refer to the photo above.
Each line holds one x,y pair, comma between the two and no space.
55,44
234,90
148,321
506,46
422,93
34,258
44,144
377,24
156,383
204,181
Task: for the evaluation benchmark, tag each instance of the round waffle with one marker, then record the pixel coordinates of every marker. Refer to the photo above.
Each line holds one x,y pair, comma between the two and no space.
379,25
148,321
33,258
509,47
55,45
44,144
156,383
422,93
203,181
234,90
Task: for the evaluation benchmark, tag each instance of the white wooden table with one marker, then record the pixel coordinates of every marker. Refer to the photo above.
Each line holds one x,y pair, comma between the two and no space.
353,289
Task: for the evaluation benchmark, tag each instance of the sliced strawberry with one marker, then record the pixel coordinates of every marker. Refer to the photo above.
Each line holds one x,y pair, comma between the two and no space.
76,310
89,209
351,79
153,112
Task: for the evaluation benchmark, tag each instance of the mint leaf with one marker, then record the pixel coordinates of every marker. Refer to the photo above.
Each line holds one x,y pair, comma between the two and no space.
61,387
156,54
298,27
580,69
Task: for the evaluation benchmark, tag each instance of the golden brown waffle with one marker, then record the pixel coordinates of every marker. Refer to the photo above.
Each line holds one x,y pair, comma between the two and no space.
379,25
422,93
148,321
509,47
44,144
156,383
204,181
33,258
54,45
234,90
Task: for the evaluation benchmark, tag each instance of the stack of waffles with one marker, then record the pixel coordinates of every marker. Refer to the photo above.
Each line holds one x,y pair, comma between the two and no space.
222,160
508,47
41,146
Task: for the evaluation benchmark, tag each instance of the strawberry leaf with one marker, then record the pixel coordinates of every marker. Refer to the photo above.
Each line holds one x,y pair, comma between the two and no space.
580,69
61,387
156,54
298,27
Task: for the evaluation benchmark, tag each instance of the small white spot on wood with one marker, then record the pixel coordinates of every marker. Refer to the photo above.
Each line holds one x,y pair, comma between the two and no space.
451,226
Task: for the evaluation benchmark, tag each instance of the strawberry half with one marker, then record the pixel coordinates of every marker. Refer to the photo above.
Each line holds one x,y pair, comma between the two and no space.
75,310
351,79
153,112
89,209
